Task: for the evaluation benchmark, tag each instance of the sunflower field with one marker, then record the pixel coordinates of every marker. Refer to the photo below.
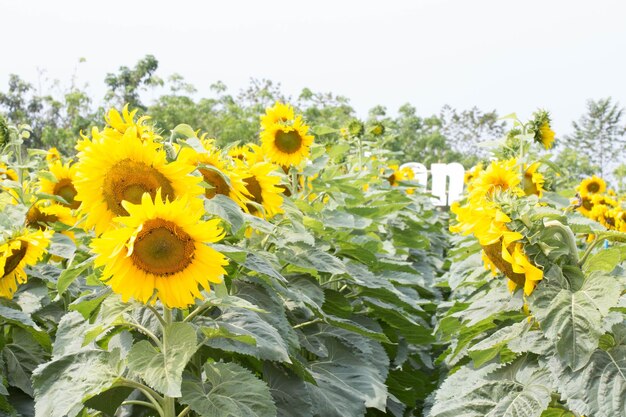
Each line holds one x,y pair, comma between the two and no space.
155,273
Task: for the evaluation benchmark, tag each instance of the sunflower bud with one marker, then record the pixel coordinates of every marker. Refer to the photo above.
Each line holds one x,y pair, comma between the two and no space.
377,129
540,125
4,131
356,128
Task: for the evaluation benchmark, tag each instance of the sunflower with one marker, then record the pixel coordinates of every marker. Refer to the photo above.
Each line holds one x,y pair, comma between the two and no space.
65,175
499,176
471,175
590,186
18,252
110,171
43,214
533,181
124,126
161,247
262,187
546,135
398,175
250,153
221,178
278,113
286,145
522,265
586,205
7,173
541,127
53,156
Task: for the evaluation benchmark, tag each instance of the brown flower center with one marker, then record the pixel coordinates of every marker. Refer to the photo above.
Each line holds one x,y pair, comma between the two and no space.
36,219
162,248
254,188
128,180
587,203
593,187
216,181
288,142
66,190
15,258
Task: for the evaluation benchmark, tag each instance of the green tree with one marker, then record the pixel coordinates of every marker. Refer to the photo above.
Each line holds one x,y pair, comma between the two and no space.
125,86
466,129
600,134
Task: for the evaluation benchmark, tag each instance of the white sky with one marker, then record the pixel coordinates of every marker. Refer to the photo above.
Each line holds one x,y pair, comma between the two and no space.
496,54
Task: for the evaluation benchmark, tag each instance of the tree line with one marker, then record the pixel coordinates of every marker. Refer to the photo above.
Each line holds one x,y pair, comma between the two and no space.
58,113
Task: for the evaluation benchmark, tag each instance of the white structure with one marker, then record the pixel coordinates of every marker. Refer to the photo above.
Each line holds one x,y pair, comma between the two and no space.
447,180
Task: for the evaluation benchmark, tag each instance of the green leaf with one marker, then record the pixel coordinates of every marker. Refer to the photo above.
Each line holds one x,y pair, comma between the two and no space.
349,375
226,209
228,390
62,246
598,389
70,274
243,323
605,260
573,319
522,389
17,317
259,264
187,131
163,369
488,348
288,392
22,356
312,258
63,385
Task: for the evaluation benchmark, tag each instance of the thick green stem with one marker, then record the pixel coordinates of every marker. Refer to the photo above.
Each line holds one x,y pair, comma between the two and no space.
149,393
601,237
169,403
566,234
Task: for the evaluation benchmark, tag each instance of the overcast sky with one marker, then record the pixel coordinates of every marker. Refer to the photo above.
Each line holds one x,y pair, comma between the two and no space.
495,54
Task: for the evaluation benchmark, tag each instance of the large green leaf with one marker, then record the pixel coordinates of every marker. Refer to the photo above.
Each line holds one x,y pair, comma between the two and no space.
228,390
522,389
598,389
573,319
243,322
163,369
226,209
61,386
288,391
350,374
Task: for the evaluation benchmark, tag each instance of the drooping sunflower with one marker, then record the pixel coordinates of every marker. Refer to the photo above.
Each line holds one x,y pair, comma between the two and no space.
109,172
221,177
533,180
522,265
65,175
19,251
262,187
278,113
161,247
590,186
286,144
542,130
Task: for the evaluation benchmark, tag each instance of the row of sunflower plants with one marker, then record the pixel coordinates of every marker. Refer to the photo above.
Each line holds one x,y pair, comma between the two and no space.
156,274
536,321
